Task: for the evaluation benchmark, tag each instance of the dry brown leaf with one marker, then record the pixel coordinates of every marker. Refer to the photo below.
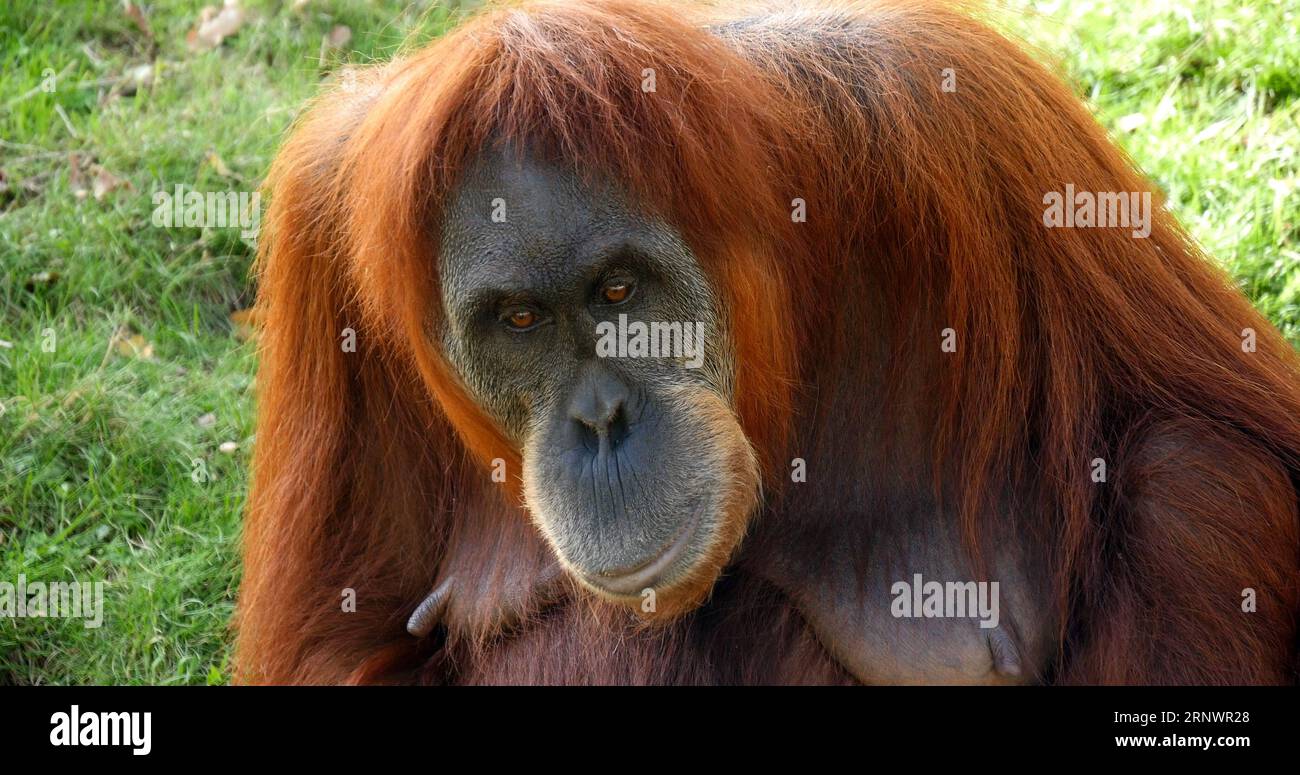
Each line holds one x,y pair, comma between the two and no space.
41,278
135,347
105,182
339,37
136,14
135,79
219,165
73,397
215,25
76,176
245,323
331,42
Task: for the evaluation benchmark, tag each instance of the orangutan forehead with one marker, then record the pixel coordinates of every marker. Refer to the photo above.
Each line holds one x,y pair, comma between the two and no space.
516,221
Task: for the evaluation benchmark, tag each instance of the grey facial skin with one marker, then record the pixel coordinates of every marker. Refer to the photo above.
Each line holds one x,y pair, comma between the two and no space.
623,478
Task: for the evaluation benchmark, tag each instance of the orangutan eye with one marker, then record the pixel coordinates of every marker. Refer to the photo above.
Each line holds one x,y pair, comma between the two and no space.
520,319
616,291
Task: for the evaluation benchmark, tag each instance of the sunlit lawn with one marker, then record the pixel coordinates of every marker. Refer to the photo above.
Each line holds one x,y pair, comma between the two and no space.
123,378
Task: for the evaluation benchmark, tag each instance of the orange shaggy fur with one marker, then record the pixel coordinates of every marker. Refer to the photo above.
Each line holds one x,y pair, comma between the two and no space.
369,465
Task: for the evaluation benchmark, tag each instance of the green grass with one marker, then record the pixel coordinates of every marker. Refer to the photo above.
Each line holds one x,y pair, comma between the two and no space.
97,446
1205,96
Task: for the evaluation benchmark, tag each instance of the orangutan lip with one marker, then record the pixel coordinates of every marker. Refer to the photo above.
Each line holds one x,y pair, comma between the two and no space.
631,582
